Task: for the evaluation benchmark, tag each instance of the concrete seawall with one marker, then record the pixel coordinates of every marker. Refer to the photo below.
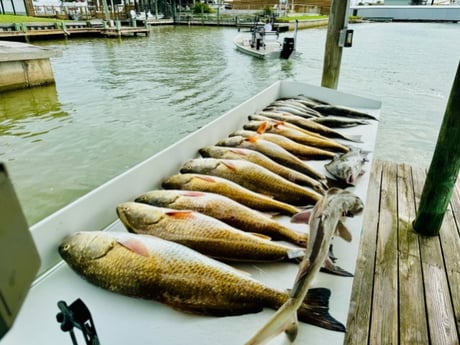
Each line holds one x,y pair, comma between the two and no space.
24,65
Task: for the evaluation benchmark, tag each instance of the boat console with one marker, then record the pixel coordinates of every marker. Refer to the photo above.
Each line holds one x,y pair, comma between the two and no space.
19,259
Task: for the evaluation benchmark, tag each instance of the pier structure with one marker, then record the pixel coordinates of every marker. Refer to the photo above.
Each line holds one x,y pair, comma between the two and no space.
29,31
406,285
23,65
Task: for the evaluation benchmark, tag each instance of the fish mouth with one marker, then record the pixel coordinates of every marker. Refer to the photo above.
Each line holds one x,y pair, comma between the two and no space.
203,152
351,180
62,249
124,220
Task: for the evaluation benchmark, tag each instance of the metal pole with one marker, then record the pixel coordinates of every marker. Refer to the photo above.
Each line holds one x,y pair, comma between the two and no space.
444,168
338,20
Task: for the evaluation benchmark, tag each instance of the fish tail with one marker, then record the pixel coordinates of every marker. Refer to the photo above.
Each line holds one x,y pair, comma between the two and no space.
315,310
336,270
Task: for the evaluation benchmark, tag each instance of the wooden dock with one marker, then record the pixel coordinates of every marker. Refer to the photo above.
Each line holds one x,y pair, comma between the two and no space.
28,31
406,288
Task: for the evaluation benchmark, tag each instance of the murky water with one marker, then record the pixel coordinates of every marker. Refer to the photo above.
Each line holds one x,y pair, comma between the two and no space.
116,102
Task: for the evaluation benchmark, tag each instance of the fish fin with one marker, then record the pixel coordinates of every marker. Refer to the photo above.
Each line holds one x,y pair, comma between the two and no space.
315,310
206,178
229,165
331,255
302,216
270,214
329,267
135,246
238,151
180,214
256,234
192,193
252,139
262,128
208,309
292,330
343,231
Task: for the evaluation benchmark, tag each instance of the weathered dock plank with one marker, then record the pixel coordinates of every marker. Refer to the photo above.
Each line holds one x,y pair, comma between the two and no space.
411,291
360,304
440,314
385,272
406,286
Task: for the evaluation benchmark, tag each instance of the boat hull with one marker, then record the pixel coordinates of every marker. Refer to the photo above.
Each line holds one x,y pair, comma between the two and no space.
120,319
272,49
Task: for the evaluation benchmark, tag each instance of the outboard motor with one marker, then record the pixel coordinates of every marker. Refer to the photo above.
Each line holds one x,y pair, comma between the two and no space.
288,47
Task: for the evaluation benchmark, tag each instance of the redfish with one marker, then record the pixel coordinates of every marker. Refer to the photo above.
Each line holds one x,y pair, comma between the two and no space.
203,233
253,177
300,150
311,125
219,185
274,151
259,158
151,268
226,210
296,135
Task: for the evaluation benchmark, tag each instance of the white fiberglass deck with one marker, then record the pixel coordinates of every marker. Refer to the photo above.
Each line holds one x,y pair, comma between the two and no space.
125,320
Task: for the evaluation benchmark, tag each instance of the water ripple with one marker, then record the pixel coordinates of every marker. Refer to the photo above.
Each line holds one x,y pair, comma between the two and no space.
116,102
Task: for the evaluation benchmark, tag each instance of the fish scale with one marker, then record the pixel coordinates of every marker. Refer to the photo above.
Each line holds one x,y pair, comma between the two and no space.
297,136
254,177
274,151
224,209
151,268
215,184
203,233
300,150
263,160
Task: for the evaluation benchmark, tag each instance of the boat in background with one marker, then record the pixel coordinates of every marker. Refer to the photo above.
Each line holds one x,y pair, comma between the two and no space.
265,44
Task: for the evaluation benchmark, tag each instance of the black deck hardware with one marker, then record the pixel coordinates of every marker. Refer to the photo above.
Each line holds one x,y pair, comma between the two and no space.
77,315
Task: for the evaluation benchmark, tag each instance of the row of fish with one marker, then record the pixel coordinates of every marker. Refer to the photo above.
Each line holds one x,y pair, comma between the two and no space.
213,209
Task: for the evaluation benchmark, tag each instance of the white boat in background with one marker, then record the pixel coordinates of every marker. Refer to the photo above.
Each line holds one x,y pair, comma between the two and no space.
265,44
123,320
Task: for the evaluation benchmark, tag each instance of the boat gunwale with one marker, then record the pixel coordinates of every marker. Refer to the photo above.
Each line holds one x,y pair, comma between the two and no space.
96,209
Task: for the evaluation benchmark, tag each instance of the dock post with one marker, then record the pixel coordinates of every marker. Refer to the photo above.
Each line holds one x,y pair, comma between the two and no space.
338,20
444,168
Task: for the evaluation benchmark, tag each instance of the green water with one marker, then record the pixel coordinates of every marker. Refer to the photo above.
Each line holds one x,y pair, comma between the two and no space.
117,102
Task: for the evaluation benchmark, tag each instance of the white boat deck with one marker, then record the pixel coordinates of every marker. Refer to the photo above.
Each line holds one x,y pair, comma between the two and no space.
125,320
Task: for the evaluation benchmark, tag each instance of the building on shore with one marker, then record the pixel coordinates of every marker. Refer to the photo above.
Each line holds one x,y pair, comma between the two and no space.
297,6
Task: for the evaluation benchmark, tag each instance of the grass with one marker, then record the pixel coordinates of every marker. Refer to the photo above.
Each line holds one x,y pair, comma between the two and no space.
9,18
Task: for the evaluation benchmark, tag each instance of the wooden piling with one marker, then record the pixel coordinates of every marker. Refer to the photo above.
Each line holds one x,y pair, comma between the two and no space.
444,168
338,20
